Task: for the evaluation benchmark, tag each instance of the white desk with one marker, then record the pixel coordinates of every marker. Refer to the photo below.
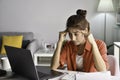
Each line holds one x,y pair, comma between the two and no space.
117,51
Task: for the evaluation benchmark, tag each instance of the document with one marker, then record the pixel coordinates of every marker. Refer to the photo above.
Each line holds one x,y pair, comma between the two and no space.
57,78
68,75
94,76
115,77
73,75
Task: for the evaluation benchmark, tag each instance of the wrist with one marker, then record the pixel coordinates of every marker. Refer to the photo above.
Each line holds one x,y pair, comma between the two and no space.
94,44
60,42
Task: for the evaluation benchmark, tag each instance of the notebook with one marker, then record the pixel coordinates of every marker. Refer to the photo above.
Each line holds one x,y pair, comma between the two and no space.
21,62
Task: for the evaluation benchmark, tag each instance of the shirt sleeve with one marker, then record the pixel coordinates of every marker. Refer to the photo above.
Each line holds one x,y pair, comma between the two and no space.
63,55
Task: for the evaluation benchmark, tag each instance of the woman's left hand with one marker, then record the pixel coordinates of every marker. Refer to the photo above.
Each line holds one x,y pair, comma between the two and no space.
91,38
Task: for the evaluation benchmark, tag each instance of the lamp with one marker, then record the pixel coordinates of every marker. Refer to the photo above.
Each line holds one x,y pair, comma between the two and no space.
105,6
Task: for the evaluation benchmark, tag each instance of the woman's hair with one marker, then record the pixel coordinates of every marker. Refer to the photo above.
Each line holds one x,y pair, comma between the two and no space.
78,21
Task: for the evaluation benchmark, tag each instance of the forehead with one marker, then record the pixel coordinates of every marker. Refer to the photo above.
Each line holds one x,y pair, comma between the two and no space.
73,30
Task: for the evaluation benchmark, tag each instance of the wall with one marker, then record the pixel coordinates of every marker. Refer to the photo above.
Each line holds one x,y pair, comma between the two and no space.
47,17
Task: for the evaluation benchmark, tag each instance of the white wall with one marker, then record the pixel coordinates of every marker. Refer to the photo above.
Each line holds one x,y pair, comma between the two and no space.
47,17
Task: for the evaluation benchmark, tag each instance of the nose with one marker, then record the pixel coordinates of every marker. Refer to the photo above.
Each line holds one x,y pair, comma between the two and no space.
73,38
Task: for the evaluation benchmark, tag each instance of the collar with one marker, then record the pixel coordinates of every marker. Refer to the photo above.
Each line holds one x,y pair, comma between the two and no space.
87,46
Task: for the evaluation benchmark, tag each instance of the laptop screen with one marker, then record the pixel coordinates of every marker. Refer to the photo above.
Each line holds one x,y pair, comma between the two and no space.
21,62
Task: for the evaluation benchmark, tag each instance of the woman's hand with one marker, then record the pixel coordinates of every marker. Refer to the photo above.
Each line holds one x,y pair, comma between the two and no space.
62,35
98,59
91,38
56,57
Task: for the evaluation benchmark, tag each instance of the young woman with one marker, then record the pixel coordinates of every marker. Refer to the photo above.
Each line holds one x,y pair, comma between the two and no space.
82,52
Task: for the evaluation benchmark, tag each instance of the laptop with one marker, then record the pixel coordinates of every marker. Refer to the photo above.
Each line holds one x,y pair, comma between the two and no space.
21,62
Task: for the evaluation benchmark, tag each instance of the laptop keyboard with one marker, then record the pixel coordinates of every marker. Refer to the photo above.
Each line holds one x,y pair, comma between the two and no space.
40,74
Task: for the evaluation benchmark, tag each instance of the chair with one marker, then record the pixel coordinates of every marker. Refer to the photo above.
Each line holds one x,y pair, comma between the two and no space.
113,65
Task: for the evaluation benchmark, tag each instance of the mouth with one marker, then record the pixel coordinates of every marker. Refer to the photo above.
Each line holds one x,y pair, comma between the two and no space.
76,43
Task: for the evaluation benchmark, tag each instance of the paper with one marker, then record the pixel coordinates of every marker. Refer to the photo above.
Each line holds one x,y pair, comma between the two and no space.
115,77
94,76
73,75
69,76
57,78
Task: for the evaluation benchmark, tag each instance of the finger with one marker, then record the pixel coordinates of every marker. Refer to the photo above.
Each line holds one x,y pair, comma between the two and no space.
66,30
63,33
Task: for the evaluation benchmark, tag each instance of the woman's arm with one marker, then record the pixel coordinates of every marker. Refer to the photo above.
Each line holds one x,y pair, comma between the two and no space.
56,57
99,62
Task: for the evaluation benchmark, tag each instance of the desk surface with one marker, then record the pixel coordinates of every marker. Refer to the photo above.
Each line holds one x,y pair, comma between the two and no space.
12,76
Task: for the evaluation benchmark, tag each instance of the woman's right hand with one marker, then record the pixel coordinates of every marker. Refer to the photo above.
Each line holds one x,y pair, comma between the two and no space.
56,57
62,35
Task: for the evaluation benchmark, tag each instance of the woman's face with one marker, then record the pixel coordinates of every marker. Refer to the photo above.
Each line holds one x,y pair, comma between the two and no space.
76,35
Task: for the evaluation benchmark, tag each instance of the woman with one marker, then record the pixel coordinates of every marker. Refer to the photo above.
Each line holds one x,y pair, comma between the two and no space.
82,52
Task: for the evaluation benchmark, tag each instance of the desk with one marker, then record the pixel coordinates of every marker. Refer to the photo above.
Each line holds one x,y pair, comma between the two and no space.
11,76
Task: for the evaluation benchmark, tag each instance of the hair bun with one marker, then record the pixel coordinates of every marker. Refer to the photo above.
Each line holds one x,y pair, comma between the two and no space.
81,12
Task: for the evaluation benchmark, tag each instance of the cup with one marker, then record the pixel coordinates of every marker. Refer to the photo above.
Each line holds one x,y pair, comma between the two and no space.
5,65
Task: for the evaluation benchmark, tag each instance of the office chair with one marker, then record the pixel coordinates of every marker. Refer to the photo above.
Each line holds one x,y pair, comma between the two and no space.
113,65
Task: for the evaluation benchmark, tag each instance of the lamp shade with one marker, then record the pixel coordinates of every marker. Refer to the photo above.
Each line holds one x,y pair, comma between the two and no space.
105,6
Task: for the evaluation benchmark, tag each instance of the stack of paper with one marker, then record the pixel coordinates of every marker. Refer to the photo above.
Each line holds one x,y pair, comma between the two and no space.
94,76
57,78
72,75
115,77
69,76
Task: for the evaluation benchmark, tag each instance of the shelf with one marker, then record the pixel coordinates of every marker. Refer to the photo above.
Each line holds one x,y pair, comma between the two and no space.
43,65
42,58
44,54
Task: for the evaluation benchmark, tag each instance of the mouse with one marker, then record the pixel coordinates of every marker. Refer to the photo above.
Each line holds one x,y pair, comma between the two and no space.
2,72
